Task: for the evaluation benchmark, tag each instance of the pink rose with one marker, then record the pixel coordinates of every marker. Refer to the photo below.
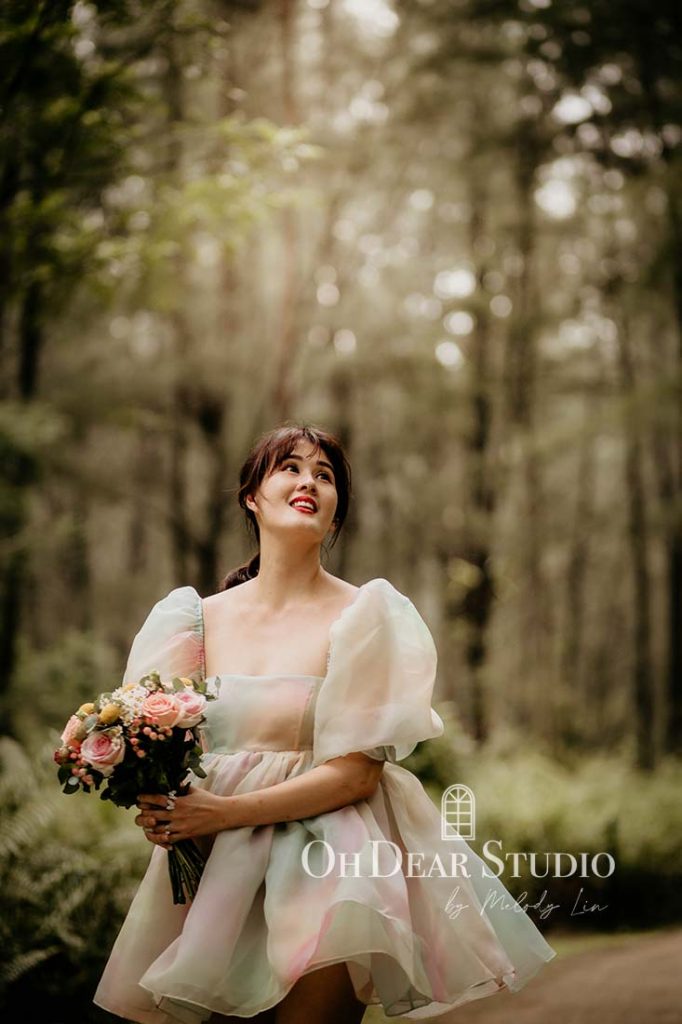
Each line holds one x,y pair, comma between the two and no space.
103,750
162,709
70,736
193,706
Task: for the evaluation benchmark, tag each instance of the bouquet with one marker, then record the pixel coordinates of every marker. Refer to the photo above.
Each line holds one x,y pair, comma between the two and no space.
141,738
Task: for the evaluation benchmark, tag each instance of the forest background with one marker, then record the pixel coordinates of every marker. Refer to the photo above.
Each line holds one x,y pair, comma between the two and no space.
447,231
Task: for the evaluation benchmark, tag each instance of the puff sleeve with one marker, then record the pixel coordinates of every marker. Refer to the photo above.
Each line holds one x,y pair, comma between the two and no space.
376,696
171,639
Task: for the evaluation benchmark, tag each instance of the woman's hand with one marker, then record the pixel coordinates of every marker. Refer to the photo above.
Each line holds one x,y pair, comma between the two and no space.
197,813
334,784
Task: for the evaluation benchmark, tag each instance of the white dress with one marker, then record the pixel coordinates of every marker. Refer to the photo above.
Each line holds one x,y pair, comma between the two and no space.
260,920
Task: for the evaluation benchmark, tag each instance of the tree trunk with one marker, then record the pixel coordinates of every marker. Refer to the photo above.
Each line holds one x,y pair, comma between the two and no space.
342,386
19,474
180,397
145,458
212,414
180,521
19,470
657,107
638,539
285,342
576,576
673,732
478,600
77,574
521,380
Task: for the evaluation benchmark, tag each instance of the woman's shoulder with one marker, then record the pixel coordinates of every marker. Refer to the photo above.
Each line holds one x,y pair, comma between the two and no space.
341,593
378,585
241,595
179,610
381,593
343,602
376,597
380,608
390,618
170,639
179,599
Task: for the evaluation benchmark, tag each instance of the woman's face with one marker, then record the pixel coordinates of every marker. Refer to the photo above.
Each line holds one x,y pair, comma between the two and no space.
279,501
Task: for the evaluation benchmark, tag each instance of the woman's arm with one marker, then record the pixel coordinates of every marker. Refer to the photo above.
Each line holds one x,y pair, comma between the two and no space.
329,786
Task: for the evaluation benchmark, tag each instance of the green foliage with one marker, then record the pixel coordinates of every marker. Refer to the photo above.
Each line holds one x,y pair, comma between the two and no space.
68,870
163,221
531,801
64,676
63,138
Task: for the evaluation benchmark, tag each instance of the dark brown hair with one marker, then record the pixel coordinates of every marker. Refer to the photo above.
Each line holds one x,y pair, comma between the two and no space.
268,452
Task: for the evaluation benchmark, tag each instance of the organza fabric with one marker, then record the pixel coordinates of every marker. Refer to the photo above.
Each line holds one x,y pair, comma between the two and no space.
419,946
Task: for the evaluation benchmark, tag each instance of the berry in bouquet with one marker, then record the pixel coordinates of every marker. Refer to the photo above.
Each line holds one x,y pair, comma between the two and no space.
141,738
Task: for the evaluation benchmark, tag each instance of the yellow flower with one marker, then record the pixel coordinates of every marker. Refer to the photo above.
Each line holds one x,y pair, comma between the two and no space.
109,714
86,709
187,681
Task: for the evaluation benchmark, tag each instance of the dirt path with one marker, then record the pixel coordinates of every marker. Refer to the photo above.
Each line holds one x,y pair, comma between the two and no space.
625,980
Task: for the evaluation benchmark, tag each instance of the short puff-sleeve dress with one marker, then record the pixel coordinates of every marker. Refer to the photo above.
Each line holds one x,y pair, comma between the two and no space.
278,901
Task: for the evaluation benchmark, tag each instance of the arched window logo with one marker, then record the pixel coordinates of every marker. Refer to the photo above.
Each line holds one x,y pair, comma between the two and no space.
458,813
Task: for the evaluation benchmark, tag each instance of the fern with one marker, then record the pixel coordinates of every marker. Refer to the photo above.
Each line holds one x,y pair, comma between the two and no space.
68,868
12,970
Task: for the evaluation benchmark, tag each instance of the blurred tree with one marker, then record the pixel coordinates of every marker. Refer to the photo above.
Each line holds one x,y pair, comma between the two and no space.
605,93
62,141
114,181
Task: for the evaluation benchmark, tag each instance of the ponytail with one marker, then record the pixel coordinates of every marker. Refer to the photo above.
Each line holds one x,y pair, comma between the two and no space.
241,574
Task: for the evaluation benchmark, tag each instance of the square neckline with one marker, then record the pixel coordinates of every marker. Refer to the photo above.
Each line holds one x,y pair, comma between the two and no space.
287,675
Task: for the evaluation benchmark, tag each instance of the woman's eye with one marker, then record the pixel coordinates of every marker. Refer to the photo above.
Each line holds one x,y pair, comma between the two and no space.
322,473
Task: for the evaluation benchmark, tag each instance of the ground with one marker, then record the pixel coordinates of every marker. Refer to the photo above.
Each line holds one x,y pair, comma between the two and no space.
618,979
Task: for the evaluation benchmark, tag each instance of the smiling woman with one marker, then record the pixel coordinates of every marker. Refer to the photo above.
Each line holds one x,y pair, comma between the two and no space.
293,451
321,688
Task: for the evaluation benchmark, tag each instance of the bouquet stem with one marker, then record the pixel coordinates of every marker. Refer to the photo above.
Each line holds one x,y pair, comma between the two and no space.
185,866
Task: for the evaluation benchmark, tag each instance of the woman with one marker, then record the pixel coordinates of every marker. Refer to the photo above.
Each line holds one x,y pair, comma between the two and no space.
304,911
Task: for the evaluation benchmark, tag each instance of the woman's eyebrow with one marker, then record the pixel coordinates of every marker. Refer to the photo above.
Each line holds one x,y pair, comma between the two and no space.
320,462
